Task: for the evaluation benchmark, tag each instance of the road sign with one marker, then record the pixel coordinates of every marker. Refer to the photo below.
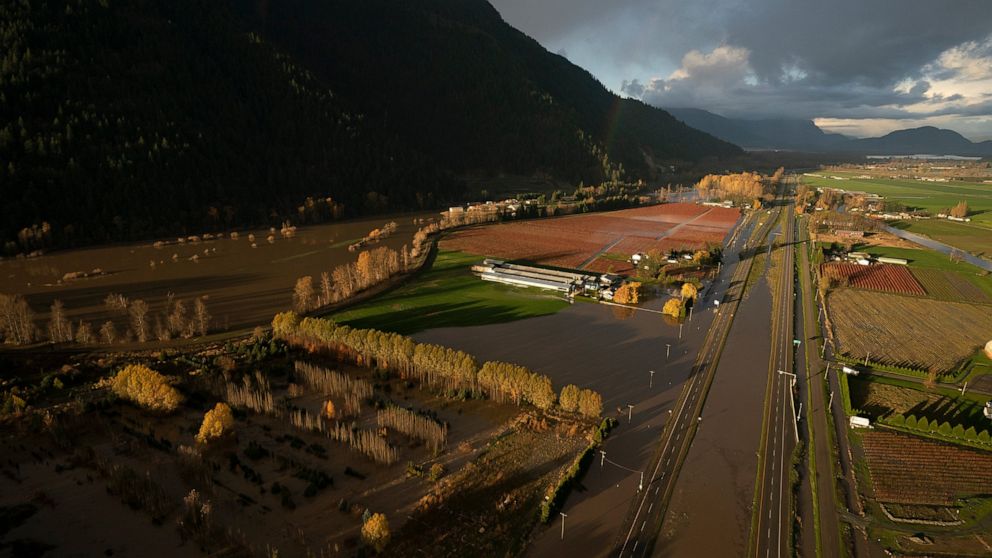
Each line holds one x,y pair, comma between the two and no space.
797,342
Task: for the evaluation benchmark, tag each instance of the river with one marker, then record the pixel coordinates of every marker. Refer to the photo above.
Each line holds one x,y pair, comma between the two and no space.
940,247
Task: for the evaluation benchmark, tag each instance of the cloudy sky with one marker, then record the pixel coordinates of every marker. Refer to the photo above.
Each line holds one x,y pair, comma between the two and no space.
860,67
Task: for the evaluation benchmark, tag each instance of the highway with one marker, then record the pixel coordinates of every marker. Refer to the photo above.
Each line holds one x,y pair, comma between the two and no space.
772,519
647,512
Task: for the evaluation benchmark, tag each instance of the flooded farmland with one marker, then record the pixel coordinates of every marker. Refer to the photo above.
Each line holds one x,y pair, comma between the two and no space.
716,485
593,347
243,285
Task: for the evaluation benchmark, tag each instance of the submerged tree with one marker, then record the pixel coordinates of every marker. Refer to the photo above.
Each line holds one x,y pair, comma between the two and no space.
216,422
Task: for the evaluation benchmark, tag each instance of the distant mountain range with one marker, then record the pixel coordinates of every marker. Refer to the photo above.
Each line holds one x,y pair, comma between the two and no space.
803,135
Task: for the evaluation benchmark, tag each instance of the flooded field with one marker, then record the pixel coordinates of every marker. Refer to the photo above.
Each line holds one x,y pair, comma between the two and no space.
595,346
716,485
244,285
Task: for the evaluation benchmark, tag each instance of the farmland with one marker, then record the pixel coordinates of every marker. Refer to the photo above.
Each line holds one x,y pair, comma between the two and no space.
885,278
911,470
930,196
934,197
900,330
449,295
884,398
949,285
244,278
577,241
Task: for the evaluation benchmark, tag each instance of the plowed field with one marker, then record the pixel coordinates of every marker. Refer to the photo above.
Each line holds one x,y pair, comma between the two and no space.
882,277
912,470
576,240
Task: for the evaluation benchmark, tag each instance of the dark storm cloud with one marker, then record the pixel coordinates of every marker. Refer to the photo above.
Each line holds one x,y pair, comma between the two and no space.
799,58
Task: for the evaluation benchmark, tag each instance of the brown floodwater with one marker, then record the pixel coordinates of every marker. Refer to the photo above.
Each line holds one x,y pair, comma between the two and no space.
593,346
710,511
244,285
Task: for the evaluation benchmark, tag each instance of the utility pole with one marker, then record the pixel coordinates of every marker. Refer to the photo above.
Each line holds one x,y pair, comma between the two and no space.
630,413
866,358
563,516
830,403
651,381
964,387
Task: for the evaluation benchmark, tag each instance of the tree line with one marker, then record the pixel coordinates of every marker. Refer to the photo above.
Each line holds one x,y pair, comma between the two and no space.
450,371
176,319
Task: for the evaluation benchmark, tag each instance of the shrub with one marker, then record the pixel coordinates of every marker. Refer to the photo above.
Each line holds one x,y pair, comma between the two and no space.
437,471
216,422
911,421
375,531
146,387
983,436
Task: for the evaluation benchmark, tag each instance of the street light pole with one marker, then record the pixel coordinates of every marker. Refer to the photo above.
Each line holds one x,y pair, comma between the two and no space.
602,459
563,516
651,381
630,413
668,350
680,331
640,486
866,358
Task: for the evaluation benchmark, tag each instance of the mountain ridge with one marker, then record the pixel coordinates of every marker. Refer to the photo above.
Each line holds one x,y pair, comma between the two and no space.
804,135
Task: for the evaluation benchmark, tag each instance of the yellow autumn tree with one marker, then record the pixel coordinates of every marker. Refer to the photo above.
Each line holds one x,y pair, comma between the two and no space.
146,387
375,531
216,422
590,403
329,410
628,293
673,308
689,291
569,398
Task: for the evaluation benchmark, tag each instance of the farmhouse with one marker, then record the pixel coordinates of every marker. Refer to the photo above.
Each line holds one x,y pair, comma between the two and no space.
566,282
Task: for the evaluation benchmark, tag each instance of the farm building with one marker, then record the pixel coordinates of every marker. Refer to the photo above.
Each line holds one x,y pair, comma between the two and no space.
567,282
893,261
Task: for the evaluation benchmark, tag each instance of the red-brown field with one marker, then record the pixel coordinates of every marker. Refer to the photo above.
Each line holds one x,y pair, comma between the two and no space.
887,278
576,241
911,470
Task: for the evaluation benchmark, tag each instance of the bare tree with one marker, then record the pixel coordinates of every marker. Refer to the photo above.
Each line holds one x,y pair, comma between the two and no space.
16,320
59,327
116,302
178,318
202,316
139,319
108,333
84,332
326,291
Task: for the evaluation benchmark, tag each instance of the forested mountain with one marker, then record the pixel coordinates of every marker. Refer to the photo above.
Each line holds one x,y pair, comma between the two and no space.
475,92
766,133
126,119
926,139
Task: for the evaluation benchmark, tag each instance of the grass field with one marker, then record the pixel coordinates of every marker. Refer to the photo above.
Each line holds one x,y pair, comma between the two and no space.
966,236
931,196
449,295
